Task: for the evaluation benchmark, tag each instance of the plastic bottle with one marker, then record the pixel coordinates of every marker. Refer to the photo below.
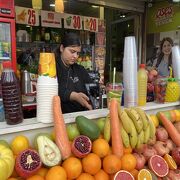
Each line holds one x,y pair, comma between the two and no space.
142,85
11,95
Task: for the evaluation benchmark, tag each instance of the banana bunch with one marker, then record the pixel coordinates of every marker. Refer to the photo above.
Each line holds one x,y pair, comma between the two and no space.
137,127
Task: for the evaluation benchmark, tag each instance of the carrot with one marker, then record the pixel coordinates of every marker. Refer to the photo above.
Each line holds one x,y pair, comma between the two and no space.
61,137
117,144
172,131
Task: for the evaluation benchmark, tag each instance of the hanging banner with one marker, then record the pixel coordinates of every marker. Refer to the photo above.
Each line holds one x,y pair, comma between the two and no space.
27,16
51,19
163,17
90,24
72,21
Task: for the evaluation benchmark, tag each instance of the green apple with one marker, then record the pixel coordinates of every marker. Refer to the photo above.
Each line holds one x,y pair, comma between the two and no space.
72,131
100,122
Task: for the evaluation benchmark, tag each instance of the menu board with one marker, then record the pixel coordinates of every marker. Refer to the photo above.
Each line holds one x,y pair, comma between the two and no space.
27,16
72,21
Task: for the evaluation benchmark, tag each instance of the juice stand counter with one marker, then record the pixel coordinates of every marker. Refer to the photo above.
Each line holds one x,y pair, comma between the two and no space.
30,127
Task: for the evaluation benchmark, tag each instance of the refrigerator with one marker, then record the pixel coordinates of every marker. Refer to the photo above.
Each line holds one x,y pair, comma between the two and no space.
7,32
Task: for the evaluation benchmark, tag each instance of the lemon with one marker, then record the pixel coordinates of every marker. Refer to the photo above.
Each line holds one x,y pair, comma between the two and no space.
155,120
19,143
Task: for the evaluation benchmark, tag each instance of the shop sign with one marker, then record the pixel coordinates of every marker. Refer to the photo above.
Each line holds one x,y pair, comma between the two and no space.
90,24
72,21
27,16
164,15
51,19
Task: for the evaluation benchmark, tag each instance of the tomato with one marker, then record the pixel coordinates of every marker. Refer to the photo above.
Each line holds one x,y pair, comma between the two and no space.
7,162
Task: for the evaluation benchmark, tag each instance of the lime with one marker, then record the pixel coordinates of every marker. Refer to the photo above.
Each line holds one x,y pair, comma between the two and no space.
113,94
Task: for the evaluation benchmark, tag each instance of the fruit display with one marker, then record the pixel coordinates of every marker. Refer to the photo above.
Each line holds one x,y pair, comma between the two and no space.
127,144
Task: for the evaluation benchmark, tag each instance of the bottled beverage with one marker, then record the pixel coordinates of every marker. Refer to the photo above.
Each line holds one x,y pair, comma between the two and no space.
11,95
142,85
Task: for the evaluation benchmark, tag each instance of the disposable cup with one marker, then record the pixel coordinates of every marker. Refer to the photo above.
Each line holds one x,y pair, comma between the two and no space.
130,47
176,61
114,90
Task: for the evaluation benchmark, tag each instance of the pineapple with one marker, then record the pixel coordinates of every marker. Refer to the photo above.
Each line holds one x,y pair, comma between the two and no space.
172,90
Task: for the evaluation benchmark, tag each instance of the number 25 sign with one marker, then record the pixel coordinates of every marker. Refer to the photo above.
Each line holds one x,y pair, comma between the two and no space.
27,16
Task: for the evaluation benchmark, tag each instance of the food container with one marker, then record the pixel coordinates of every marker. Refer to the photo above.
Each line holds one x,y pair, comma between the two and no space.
160,90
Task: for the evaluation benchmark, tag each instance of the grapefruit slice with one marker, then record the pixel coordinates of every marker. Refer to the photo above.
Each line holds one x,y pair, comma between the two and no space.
144,174
123,175
158,165
170,161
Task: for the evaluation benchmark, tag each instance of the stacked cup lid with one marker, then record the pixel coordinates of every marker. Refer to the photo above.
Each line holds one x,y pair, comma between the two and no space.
47,87
176,61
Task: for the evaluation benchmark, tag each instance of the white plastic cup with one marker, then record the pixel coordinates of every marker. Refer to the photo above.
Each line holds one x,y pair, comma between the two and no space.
176,61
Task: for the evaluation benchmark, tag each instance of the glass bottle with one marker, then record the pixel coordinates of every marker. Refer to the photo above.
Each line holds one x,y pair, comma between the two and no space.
11,95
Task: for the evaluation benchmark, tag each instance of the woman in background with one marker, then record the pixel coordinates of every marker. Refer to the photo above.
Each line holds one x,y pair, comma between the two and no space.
164,59
71,76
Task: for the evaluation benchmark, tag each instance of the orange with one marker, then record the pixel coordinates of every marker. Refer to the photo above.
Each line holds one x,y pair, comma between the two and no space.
85,176
111,164
170,161
155,120
127,150
42,172
100,147
35,177
56,173
177,115
144,174
91,163
19,143
110,150
73,167
101,175
128,162
134,173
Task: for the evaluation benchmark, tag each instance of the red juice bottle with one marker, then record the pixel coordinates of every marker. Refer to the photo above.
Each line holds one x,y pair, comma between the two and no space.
11,95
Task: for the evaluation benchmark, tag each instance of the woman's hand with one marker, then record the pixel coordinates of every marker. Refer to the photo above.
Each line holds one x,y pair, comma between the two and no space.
81,98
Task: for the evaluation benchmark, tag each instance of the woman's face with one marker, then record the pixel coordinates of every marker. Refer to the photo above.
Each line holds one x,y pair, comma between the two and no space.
70,54
166,48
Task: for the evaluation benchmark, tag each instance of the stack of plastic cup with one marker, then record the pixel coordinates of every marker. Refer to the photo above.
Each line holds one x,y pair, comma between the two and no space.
176,61
130,72
46,88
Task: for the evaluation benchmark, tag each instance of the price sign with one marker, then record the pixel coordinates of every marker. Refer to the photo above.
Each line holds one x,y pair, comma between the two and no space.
72,21
27,16
91,24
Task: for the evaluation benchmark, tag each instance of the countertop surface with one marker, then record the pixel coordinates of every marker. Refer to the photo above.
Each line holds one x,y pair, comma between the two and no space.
32,123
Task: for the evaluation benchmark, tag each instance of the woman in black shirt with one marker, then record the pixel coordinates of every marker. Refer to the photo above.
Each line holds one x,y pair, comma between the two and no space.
71,76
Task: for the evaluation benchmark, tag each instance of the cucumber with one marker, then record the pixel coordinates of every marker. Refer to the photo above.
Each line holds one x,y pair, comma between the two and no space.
87,127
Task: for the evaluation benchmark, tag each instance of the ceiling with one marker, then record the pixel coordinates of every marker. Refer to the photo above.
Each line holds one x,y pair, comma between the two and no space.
70,6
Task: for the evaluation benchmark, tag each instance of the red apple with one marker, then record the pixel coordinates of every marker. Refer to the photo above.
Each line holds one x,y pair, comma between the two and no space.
170,144
149,151
161,148
161,134
176,155
140,161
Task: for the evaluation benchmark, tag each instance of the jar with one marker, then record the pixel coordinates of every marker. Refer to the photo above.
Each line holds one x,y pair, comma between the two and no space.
160,90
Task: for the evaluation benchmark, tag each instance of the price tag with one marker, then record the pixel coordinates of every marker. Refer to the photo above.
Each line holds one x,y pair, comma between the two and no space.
27,16
72,21
91,24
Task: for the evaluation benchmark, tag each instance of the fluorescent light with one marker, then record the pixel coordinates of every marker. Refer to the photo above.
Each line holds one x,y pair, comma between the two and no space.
93,6
175,1
52,5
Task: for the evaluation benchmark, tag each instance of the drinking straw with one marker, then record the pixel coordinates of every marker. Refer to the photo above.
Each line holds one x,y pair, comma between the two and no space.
114,77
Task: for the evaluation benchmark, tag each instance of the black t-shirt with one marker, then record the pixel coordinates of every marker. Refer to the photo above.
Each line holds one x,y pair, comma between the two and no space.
70,79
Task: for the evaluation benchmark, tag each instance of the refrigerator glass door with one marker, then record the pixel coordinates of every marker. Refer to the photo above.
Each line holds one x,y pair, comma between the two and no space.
5,41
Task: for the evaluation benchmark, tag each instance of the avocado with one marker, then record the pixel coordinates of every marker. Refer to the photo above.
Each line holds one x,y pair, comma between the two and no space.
87,127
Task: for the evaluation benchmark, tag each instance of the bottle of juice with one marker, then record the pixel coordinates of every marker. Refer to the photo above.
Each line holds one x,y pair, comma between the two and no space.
142,85
11,95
